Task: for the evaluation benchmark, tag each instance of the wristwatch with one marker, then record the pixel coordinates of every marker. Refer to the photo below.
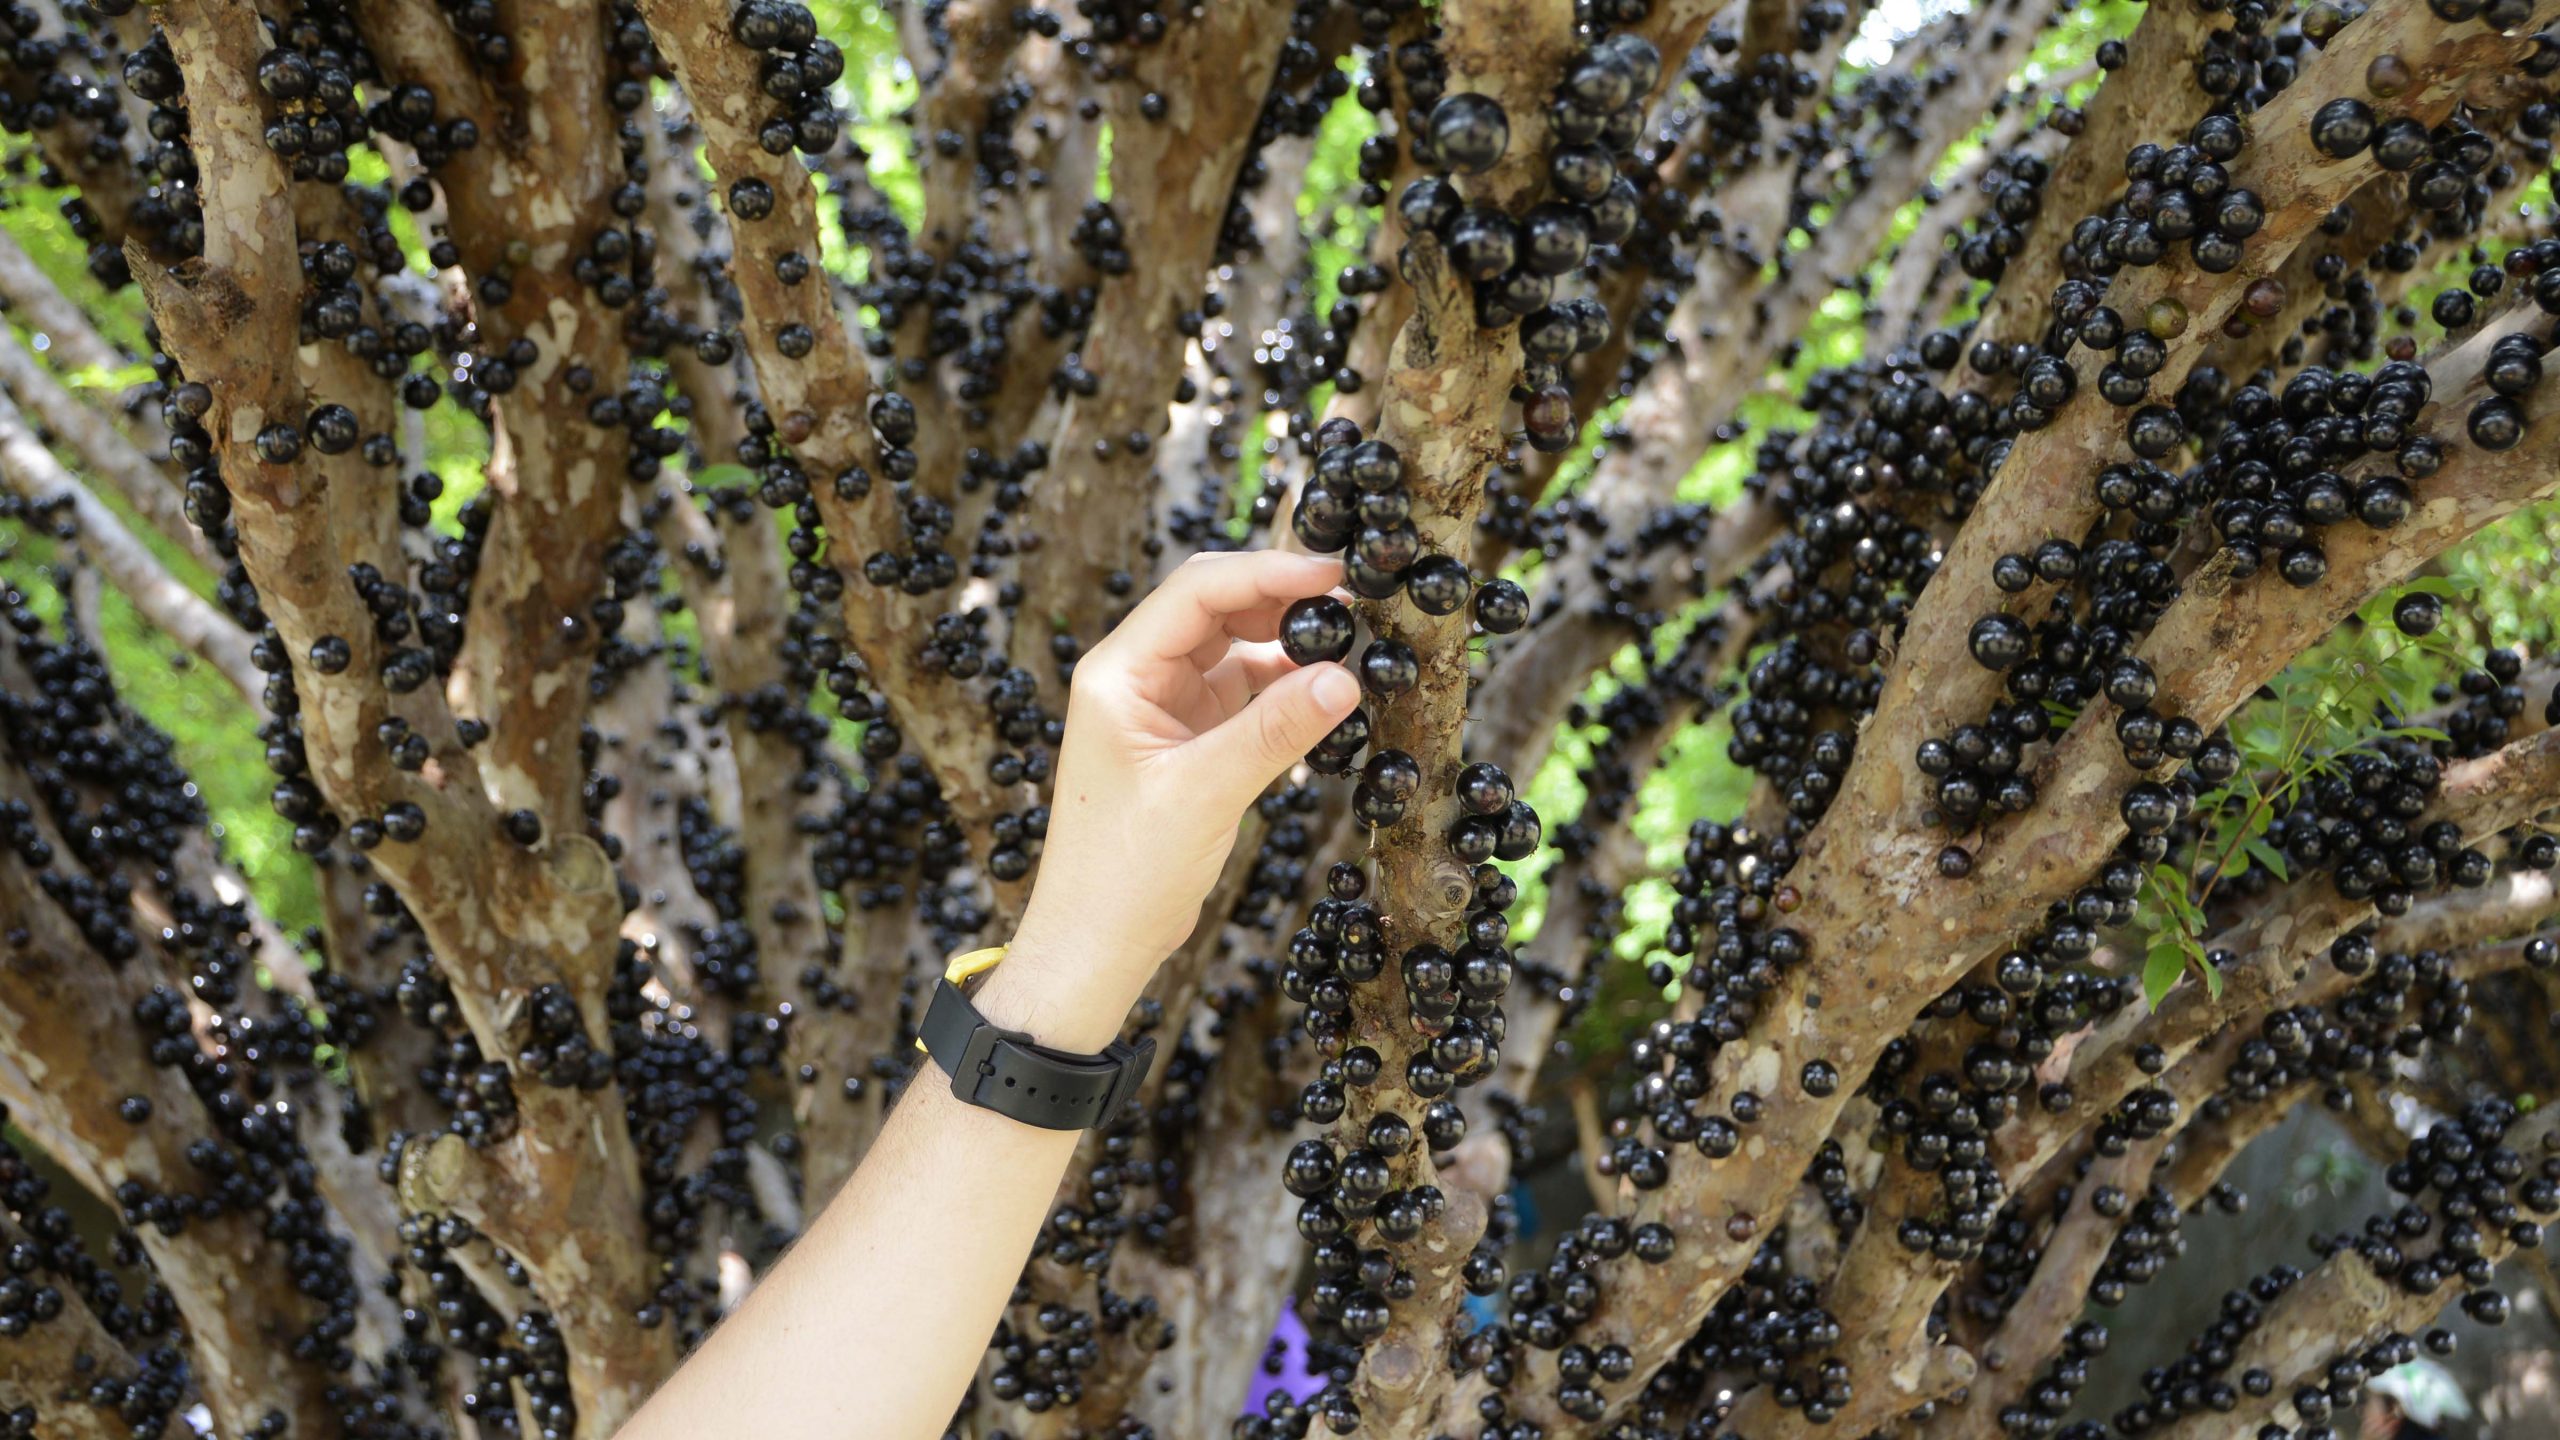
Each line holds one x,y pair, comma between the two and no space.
1008,1072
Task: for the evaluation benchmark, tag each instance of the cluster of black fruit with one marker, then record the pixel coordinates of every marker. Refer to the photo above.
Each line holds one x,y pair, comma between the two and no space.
2012,187
2360,824
1821,666
508,1363
313,82
672,1078
2472,1200
1629,723
477,1095
2176,195
977,308
798,67
1769,1324
2057,1387
1357,499
1358,503
81,133
1514,261
2482,706
2401,1004
2275,474
234,1158
49,1268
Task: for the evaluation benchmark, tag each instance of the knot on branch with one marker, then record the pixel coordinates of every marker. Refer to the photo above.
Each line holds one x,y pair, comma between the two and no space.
435,1176
580,867
1441,899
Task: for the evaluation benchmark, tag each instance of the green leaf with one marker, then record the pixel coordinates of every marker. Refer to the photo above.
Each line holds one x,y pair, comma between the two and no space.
2161,972
2212,977
2422,732
100,377
722,477
2269,856
2450,587
2262,746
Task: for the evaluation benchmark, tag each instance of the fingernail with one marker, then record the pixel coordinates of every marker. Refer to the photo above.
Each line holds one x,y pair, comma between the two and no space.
1335,689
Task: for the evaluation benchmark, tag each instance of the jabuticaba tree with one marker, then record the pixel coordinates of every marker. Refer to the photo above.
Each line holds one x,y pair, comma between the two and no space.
626,486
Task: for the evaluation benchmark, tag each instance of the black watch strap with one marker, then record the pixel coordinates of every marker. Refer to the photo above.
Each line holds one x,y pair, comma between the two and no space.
1007,1072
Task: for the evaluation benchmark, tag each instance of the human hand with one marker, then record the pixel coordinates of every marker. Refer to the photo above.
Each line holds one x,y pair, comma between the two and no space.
1175,724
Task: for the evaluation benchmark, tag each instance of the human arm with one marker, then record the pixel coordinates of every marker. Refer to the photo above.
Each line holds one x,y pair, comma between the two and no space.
874,1324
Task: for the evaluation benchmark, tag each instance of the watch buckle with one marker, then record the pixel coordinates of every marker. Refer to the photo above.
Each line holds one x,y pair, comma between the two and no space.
971,1069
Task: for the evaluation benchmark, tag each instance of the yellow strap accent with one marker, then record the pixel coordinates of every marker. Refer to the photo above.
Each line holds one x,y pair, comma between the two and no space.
968,966
975,963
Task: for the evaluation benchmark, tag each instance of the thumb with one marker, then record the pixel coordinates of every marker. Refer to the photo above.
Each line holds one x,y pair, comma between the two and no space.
1251,748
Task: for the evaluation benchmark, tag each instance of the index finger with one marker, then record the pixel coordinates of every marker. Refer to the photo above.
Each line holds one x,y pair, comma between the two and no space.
1206,594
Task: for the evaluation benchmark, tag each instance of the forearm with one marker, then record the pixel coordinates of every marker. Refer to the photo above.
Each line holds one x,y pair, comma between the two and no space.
875,1322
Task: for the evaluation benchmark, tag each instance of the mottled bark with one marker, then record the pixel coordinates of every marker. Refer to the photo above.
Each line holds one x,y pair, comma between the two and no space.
520,205
1089,511
1445,395
820,405
501,918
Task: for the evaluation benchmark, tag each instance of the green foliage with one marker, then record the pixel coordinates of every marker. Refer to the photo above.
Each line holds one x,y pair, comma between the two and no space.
2350,691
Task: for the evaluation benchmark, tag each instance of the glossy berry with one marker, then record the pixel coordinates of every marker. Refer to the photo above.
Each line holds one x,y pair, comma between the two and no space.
1316,629
1501,607
1469,132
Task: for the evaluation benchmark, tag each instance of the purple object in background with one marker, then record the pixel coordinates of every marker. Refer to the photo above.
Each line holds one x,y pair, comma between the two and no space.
1290,1335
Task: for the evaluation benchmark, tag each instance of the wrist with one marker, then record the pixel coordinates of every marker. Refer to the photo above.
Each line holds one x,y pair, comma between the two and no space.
1059,993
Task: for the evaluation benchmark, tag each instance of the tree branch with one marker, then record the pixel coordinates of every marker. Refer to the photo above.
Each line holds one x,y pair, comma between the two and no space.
521,207
59,1000
105,451
2343,1303
2043,489
820,405
52,1366
2279,943
44,310
1446,386
1089,510
1867,884
502,919
159,597
2149,97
